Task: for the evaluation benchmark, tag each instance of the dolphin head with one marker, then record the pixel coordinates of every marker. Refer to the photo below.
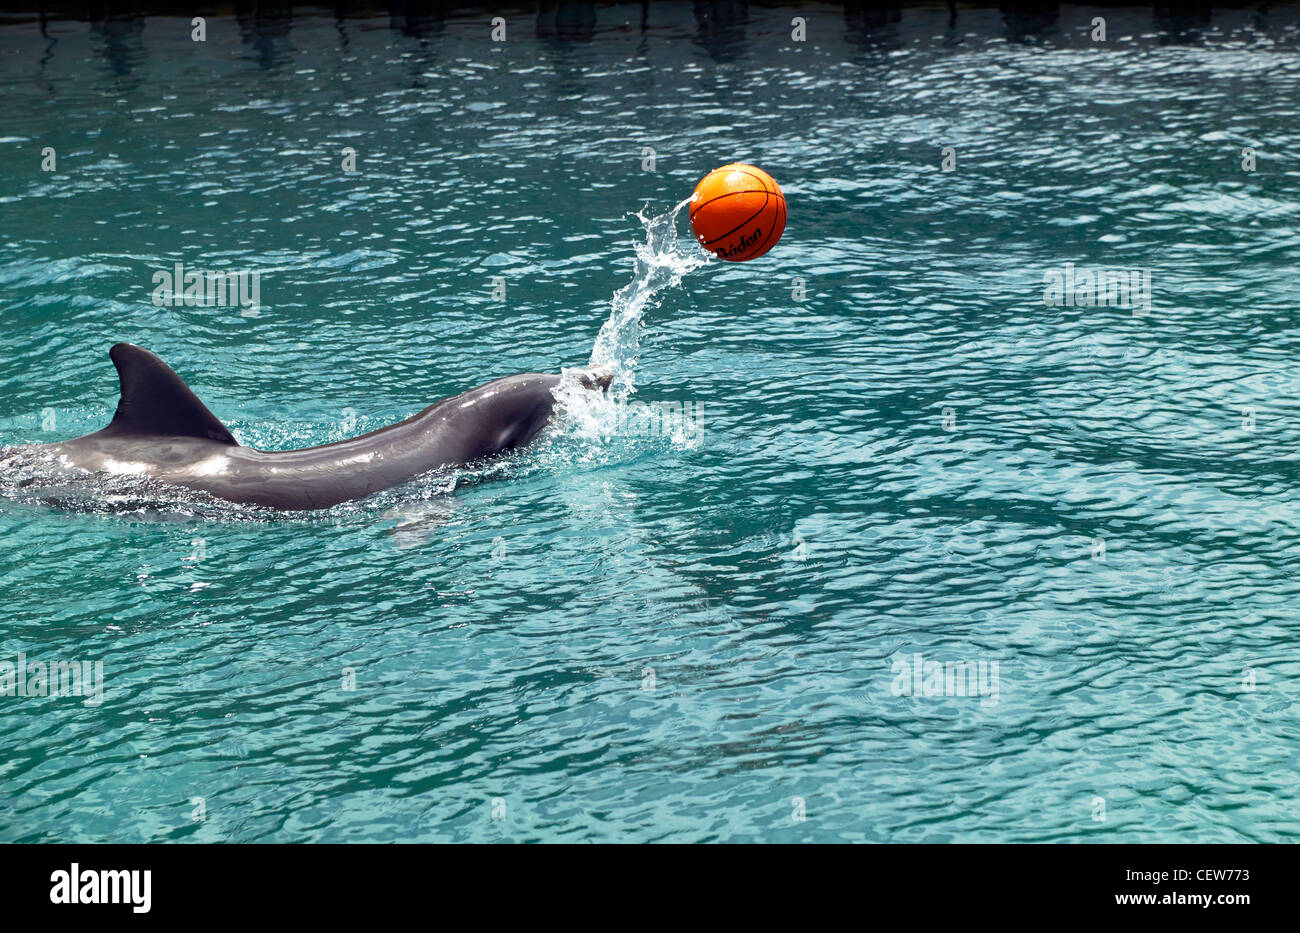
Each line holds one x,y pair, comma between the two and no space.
596,377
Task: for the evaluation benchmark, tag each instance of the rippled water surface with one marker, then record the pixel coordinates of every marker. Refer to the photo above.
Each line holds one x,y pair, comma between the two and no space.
639,630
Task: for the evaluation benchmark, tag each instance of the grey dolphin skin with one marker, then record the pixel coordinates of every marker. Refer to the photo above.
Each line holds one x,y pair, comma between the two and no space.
162,430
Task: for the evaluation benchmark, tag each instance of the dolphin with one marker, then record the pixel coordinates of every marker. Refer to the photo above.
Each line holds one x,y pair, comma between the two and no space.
162,430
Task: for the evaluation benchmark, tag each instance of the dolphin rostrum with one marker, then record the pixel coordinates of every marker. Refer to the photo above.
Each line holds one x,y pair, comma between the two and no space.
162,430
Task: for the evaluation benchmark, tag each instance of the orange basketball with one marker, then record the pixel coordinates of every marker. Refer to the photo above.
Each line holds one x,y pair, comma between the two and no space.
738,212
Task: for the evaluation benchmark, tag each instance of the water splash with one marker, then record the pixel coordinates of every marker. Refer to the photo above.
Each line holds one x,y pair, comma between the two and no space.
661,263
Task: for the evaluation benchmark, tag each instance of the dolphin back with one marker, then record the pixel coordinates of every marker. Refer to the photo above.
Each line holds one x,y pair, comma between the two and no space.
162,430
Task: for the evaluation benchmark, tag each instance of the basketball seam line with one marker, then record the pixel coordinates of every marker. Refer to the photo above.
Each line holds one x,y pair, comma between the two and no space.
763,246
757,179
729,194
766,200
762,184
699,207
735,168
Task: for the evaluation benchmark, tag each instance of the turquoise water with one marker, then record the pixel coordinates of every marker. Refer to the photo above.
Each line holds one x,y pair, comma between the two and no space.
647,629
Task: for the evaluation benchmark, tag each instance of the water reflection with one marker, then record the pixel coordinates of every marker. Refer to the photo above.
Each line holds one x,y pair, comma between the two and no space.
121,42
1187,23
567,21
418,20
266,29
1029,22
721,27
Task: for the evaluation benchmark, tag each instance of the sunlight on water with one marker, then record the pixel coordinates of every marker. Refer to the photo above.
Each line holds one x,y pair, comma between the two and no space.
906,456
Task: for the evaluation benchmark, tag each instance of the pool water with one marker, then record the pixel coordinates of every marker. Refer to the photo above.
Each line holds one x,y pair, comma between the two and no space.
895,534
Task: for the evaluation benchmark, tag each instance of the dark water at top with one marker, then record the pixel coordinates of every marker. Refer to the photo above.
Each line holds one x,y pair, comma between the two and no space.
897,446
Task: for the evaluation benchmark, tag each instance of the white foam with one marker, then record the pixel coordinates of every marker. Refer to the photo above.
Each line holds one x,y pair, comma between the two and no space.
660,264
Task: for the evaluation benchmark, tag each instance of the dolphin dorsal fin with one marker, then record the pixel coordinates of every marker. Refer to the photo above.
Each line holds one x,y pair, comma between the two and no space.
157,401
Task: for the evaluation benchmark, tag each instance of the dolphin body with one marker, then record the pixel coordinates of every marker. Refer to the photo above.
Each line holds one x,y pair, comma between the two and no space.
162,430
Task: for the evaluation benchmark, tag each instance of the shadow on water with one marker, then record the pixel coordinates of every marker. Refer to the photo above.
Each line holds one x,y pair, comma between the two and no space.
873,24
567,21
1030,22
721,28
417,20
123,48
1186,23
426,26
265,27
